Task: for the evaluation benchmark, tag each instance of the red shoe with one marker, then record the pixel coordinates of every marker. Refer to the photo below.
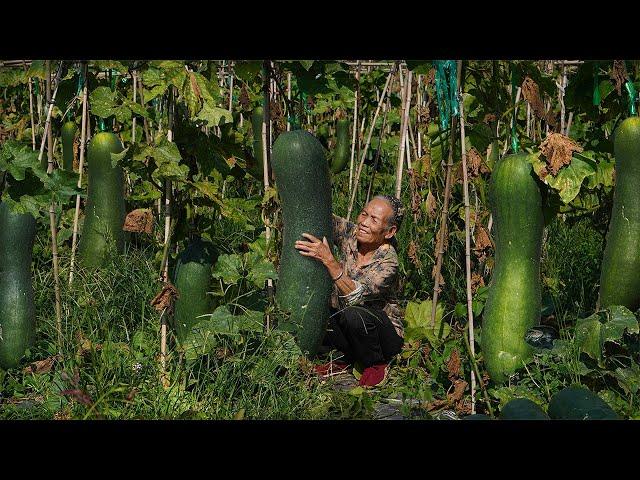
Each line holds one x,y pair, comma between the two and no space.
331,368
374,376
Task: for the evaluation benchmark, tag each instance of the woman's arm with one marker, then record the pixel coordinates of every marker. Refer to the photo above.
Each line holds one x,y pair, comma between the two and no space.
320,250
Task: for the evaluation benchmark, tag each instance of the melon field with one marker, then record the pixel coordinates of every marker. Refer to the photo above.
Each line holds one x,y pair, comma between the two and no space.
146,271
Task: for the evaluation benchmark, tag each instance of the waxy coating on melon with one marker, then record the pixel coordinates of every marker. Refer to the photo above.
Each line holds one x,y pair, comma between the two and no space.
105,212
514,298
304,285
17,308
620,274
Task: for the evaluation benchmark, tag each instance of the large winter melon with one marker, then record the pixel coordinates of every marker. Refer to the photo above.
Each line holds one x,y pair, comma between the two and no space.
513,303
304,285
17,310
620,276
105,210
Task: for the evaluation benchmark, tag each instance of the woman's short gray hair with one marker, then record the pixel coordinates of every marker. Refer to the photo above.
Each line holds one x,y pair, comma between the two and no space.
396,208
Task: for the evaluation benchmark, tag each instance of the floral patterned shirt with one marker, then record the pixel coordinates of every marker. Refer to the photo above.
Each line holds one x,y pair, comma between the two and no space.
376,281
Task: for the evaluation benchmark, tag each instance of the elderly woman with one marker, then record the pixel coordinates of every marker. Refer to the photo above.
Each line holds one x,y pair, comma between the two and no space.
366,324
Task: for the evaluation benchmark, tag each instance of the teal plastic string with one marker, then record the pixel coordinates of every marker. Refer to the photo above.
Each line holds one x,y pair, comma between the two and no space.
515,142
446,90
596,84
633,96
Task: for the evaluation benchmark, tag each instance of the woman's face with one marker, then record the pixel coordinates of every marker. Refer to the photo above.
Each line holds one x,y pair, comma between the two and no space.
373,224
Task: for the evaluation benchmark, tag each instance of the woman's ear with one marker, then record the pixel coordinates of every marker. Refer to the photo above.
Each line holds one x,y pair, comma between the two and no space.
391,232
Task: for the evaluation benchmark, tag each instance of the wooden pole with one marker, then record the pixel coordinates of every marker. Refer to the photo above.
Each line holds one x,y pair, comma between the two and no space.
266,156
364,153
403,133
467,246
134,74
445,213
354,135
83,143
289,98
33,126
230,89
52,211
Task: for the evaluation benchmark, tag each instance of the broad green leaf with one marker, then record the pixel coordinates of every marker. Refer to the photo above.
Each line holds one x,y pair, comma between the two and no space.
214,115
208,189
588,336
604,174
260,271
228,268
629,378
420,67
570,178
620,319
103,102
306,64
418,319
247,70
110,64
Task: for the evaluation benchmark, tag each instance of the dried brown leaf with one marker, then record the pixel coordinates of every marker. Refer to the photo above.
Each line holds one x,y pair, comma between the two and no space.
413,254
41,366
453,365
474,162
165,298
430,203
459,386
619,75
138,221
194,85
558,150
78,395
477,281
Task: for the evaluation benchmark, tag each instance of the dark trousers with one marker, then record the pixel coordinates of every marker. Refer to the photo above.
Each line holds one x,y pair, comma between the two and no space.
363,335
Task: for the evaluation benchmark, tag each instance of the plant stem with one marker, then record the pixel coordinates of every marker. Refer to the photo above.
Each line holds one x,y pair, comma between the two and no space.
52,212
266,156
364,153
477,372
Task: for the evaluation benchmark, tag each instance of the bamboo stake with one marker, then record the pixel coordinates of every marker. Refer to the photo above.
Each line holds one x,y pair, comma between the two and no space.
266,157
167,244
444,215
366,147
289,98
230,89
33,127
354,136
507,144
467,247
83,143
52,212
135,92
377,159
568,130
403,133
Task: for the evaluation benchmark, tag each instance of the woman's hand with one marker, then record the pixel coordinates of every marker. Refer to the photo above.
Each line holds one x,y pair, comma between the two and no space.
316,248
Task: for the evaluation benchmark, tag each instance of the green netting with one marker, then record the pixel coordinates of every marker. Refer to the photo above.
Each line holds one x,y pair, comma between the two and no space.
446,90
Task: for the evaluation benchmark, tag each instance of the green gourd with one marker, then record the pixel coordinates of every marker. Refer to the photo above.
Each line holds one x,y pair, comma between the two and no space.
514,298
68,134
342,149
620,276
304,286
192,278
102,232
17,309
